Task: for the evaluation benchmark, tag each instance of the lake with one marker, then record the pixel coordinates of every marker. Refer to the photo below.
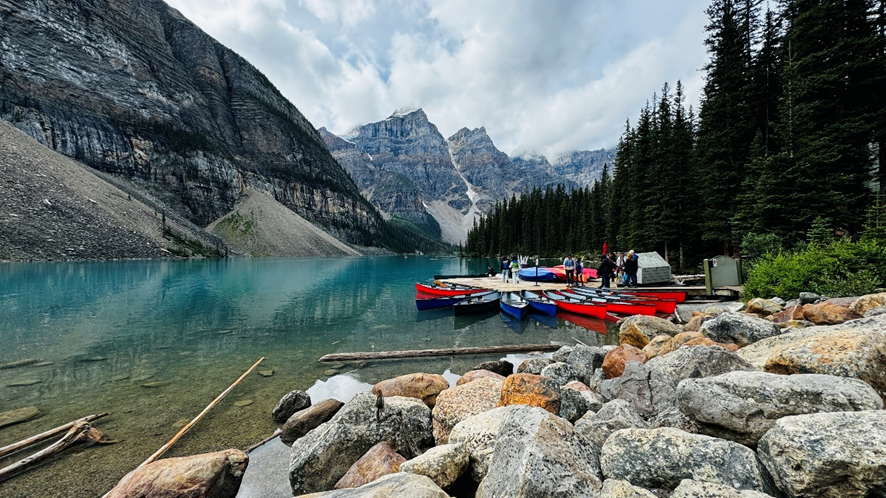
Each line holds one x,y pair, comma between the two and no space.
154,342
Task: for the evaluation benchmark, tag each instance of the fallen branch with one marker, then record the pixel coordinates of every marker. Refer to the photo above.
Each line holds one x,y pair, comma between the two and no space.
576,340
81,432
12,448
185,429
273,436
422,353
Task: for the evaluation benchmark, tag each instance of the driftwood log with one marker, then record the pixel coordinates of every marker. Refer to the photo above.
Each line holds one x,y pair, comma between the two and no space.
422,353
81,432
24,443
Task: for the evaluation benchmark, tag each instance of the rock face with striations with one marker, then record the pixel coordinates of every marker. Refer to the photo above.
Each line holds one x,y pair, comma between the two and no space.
135,89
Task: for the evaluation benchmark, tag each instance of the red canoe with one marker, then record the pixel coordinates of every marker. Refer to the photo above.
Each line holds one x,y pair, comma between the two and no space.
588,322
445,289
678,296
587,308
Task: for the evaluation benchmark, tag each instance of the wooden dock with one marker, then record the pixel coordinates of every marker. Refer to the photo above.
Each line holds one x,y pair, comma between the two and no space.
495,283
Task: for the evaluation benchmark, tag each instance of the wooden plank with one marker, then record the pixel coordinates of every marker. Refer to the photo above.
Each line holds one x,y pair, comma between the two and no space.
424,353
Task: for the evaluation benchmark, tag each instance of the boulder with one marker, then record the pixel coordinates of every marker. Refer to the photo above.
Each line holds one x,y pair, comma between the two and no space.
562,373
396,484
302,422
695,322
742,406
856,352
673,417
576,386
687,309
531,390
651,388
290,403
443,464
827,313
659,345
866,303
809,298
689,488
562,354
739,329
380,460
829,455
638,330
18,415
320,458
758,353
210,475
574,404
662,458
423,386
534,365
793,313
477,434
762,307
617,488
613,416
478,374
614,362
585,360
539,454
663,345
501,367
880,310
460,402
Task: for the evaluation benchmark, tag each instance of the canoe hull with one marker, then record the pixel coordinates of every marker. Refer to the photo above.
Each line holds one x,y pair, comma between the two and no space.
435,290
476,304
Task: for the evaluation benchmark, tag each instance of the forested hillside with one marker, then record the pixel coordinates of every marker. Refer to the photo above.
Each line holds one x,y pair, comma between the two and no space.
790,131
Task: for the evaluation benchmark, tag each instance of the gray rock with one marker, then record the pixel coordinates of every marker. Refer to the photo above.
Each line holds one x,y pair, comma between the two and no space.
534,365
594,400
689,488
828,455
742,406
478,434
539,454
290,403
443,464
573,404
596,380
632,386
809,298
613,416
880,310
617,488
562,373
304,421
586,359
739,328
391,485
779,301
790,303
501,367
562,354
661,458
322,457
673,417
685,310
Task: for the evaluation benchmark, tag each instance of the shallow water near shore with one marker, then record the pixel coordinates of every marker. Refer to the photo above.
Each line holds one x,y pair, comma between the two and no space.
154,342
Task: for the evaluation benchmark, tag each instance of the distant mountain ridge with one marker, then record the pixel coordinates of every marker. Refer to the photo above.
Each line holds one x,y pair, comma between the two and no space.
405,167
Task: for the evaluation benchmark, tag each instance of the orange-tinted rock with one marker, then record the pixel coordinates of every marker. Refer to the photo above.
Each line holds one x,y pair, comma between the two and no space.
868,302
380,460
423,386
856,352
304,421
762,307
659,345
638,330
614,362
827,313
788,314
695,322
210,475
460,402
478,374
576,386
532,390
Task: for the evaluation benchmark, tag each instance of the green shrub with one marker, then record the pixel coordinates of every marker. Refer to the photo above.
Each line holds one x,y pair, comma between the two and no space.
841,268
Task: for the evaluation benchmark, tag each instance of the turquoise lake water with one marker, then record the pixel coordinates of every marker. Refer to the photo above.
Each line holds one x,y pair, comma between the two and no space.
153,342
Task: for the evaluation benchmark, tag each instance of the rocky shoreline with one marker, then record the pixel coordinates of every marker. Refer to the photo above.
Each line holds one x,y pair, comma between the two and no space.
781,399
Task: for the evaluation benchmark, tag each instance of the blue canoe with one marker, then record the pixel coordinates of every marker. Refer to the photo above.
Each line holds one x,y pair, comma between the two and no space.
514,305
540,303
538,275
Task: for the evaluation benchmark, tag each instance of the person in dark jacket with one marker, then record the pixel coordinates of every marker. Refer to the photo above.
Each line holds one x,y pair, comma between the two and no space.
631,264
605,270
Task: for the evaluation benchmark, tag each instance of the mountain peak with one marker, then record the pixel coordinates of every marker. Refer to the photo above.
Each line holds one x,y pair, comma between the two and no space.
406,111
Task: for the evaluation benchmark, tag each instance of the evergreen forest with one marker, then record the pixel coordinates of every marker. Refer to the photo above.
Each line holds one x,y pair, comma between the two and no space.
788,138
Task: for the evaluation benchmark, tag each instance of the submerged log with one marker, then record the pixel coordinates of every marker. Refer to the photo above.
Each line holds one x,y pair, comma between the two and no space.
24,443
422,353
81,432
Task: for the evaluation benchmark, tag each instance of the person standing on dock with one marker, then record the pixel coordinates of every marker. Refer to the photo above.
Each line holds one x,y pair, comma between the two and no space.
505,268
631,265
604,271
515,270
569,266
579,272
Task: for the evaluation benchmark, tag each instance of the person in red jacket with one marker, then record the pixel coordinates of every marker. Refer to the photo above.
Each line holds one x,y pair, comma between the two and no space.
605,248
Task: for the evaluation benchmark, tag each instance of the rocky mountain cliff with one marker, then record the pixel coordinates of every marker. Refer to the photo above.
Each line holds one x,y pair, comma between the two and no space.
133,88
406,168
583,166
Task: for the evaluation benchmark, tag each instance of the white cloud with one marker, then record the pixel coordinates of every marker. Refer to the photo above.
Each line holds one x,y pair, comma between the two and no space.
546,76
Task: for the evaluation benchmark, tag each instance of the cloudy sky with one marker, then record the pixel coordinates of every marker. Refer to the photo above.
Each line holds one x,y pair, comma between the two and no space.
542,76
